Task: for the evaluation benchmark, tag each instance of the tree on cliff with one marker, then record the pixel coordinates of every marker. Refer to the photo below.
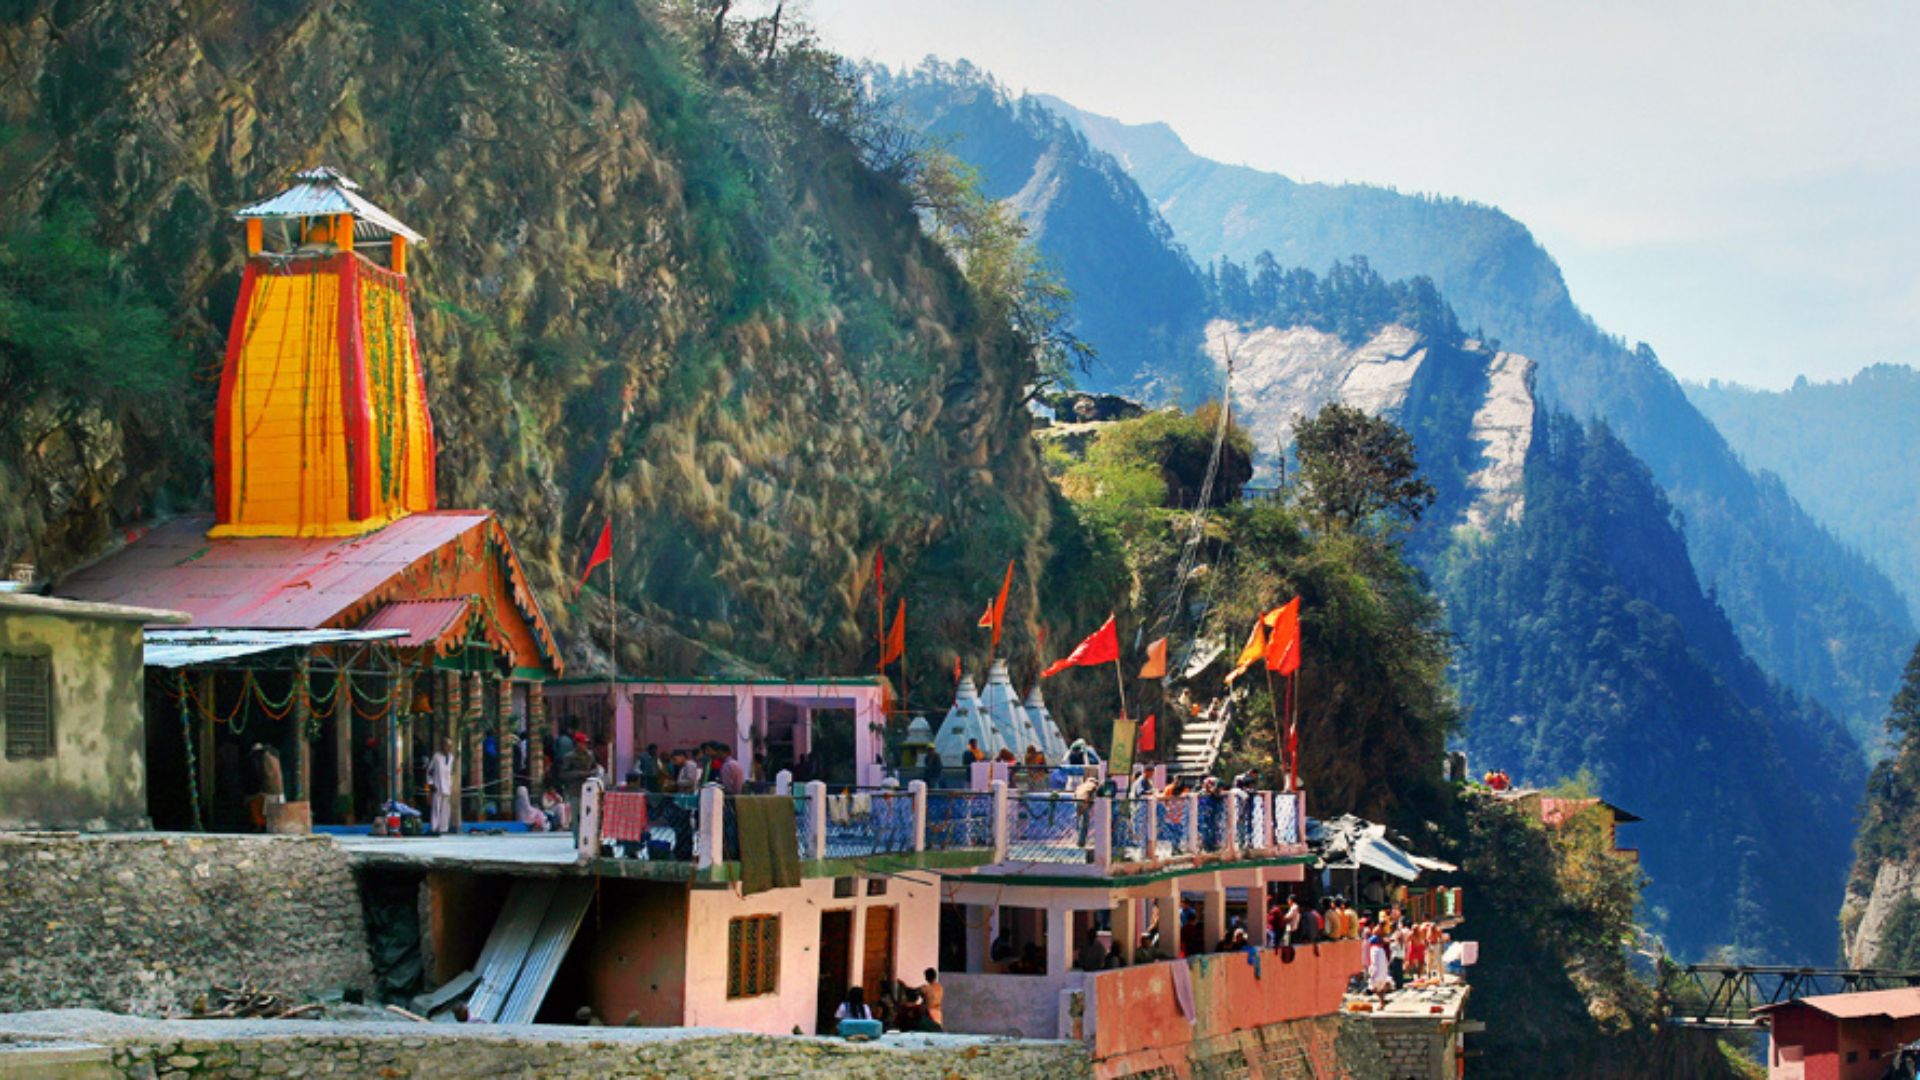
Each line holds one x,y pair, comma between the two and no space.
1356,469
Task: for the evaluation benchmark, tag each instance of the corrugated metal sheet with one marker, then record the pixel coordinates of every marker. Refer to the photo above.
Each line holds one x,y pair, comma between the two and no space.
570,900
422,622
265,583
505,952
322,192
189,648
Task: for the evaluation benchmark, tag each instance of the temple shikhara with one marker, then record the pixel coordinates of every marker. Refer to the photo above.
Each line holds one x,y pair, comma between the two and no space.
328,594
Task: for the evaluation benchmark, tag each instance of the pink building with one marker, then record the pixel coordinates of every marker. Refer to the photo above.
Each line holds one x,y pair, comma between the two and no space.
842,718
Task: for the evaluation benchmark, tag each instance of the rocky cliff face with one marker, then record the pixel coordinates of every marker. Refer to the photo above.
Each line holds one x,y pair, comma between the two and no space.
1282,375
660,284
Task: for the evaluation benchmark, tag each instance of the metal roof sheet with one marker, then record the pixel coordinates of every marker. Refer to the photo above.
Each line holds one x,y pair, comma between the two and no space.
190,648
263,583
323,192
35,604
423,623
1900,1004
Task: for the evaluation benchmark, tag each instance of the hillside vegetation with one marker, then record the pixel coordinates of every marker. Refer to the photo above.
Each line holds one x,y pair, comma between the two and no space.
668,280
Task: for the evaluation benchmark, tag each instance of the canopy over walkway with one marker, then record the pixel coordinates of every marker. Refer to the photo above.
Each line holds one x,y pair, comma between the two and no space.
1726,995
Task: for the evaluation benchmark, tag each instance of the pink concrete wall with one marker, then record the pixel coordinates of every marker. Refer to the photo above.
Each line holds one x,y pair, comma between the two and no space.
1027,1006
916,948
1134,1008
640,954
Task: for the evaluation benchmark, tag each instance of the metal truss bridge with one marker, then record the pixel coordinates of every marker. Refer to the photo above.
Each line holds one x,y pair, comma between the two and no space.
1725,995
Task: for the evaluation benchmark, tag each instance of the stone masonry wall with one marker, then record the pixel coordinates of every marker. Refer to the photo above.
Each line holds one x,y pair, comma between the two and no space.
248,1050
1336,1047
1414,1050
146,922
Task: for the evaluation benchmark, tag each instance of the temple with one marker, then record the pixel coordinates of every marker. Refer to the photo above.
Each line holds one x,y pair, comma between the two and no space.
335,618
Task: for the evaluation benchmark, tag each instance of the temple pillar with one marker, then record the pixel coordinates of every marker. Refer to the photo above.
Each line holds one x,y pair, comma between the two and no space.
472,746
297,720
343,748
537,732
503,740
203,737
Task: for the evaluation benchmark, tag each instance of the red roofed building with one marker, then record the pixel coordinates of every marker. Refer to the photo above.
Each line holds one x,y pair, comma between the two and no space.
1840,1036
338,617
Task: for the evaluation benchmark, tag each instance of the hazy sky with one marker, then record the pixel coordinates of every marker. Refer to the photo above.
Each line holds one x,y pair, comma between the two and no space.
1734,184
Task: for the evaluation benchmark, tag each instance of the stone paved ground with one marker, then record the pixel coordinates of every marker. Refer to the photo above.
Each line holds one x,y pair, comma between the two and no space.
249,1049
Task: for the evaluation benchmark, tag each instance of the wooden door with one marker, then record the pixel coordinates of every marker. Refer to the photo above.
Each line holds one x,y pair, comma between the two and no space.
836,967
876,960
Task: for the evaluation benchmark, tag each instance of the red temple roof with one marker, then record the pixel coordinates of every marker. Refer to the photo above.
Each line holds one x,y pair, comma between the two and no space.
307,583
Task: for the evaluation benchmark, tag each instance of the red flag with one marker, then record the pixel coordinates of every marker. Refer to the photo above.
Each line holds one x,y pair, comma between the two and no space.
1283,644
1156,665
602,552
1101,647
957,675
996,614
897,637
1146,735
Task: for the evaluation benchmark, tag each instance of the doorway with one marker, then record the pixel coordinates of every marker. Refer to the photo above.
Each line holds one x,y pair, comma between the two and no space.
836,967
876,961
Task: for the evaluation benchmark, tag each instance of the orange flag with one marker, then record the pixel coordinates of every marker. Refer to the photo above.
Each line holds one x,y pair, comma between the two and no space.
1101,647
896,645
1255,649
996,614
1156,665
602,552
1283,644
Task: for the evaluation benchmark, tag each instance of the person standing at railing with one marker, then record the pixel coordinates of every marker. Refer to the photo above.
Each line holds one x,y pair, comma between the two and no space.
1087,790
727,770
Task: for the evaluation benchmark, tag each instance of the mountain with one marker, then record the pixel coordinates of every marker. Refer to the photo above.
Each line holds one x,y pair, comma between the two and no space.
662,284
1136,295
1880,920
1586,642
1811,611
1847,450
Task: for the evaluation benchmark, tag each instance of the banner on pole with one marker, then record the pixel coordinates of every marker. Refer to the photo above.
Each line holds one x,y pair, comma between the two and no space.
1120,760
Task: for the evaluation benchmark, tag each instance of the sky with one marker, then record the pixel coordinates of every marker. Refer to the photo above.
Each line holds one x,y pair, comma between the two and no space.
1734,184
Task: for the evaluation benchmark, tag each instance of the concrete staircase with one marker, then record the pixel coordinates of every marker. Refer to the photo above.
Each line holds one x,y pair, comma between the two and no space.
1200,738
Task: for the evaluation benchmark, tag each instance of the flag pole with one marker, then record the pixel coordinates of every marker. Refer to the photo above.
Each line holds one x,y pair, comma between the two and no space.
1279,726
613,646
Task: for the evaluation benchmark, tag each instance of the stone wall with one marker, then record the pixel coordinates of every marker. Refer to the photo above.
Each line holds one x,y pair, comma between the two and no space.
242,1050
1417,1049
146,922
1337,1047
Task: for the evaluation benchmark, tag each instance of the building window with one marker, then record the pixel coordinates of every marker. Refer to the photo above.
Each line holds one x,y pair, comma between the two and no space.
843,887
26,705
876,886
753,956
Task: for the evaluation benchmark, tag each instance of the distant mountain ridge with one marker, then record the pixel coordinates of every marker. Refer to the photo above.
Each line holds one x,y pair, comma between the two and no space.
1848,450
1137,295
1813,612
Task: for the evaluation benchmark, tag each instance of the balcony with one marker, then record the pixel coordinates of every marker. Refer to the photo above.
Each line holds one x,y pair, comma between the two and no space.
694,836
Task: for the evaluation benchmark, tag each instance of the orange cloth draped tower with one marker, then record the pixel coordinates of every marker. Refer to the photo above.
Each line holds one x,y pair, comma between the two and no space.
321,427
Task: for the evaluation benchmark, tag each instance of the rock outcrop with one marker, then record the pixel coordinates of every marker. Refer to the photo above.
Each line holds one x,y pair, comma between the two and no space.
1284,374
